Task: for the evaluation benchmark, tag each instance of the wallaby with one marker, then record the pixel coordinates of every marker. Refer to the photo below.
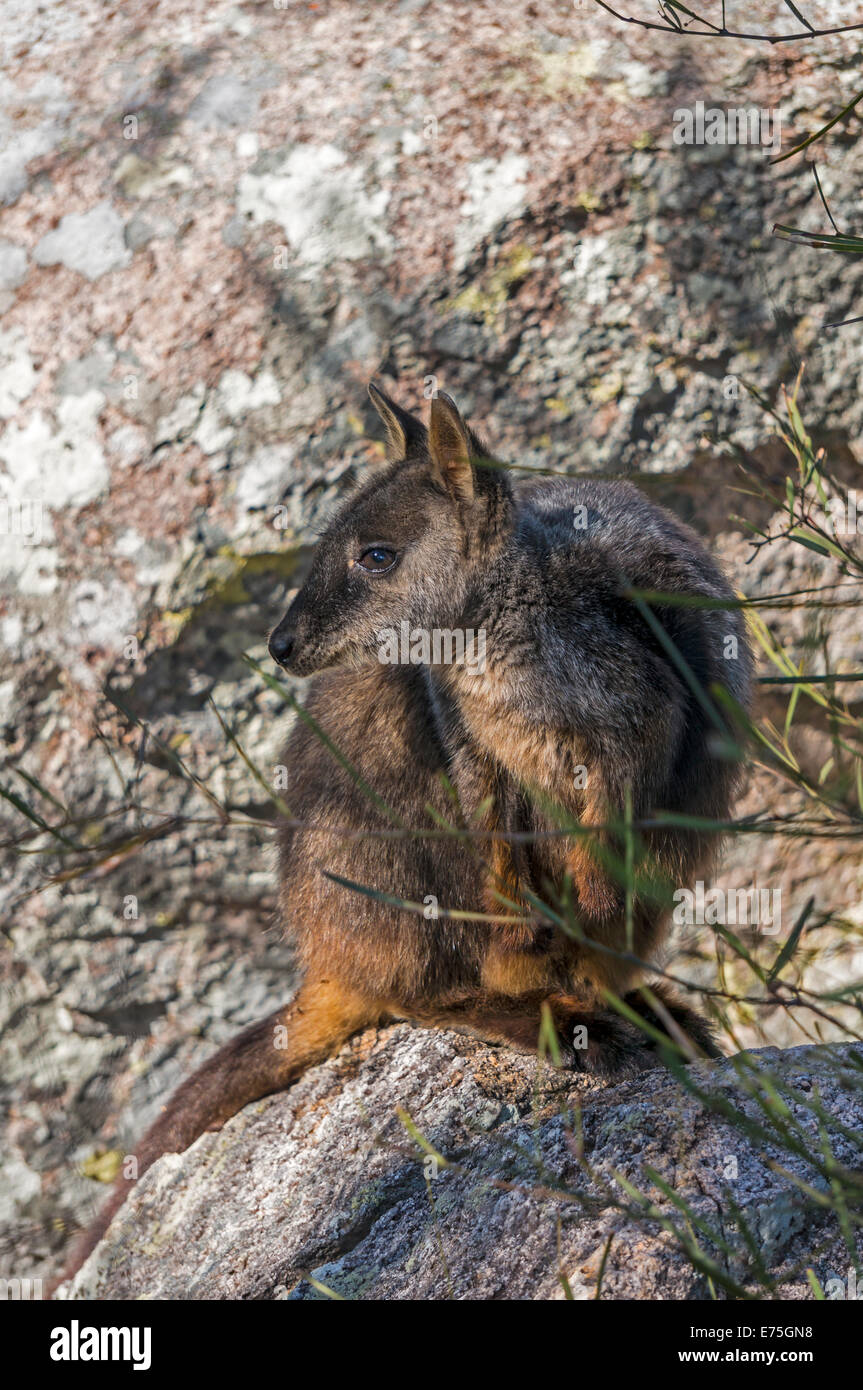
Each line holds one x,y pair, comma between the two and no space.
579,708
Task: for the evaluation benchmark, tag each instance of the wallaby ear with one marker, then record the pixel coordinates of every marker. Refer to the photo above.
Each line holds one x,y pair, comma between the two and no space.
451,448
403,429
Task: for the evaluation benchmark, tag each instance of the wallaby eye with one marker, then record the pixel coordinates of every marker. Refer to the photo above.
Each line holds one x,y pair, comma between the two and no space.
378,559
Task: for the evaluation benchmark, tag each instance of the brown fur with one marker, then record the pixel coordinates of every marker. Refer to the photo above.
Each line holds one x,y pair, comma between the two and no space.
573,678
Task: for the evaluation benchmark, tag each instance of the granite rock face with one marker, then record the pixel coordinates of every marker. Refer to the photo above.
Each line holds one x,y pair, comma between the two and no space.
216,224
423,1165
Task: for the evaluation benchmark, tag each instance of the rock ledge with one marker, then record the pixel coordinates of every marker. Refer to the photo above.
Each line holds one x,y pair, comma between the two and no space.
323,1191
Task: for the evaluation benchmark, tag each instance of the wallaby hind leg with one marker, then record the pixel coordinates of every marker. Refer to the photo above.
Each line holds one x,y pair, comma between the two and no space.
592,1039
265,1058
491,1017
517,1020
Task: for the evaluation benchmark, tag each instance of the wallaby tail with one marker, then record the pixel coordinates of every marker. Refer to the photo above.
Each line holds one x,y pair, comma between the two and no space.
265,1058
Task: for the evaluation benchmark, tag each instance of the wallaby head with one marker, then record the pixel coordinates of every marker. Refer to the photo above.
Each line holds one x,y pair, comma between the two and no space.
404,548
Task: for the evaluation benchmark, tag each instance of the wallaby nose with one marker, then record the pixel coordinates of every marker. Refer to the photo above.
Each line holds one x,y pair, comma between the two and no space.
281,644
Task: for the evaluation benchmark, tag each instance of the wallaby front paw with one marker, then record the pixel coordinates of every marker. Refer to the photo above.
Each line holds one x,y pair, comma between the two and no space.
604,1045
696,1030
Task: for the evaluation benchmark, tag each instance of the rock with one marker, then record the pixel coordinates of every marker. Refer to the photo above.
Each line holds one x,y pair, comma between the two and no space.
494,193
17,375
223,102
323,1191
20,140
89,242
13,265
318,196
62,467
264,477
